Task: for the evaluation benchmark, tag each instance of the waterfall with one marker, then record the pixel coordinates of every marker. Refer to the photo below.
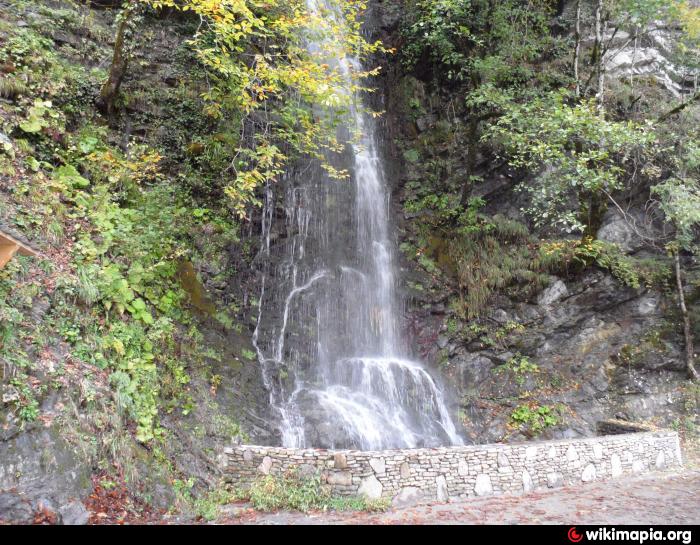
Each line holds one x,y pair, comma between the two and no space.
328,335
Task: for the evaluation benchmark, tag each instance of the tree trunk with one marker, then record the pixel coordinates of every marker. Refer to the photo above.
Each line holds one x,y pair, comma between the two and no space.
577,49
678,109
634,55
689,356
593,206
599,56
120,61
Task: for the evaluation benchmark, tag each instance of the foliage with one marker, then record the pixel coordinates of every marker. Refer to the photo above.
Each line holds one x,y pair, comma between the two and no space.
562,255
534,418
272,99
132,231
680,202
497,256
18,387
651,345
520,367
207,505
39,117
446,211
291,491
476,39
633,14
26,403
577,152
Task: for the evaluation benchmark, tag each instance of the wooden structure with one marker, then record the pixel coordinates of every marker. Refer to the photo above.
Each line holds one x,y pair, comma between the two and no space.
11,245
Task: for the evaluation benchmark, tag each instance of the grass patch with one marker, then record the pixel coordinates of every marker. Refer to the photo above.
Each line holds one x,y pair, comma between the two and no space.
293,492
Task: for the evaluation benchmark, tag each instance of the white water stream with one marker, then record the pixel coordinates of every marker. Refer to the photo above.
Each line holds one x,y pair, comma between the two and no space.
328,335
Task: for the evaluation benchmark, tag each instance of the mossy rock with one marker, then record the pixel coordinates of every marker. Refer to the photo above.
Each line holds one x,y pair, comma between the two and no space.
194,288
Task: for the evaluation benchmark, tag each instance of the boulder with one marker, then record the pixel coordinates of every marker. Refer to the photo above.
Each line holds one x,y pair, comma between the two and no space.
442,493
556,291
370,488
483,485
615,229
42,471
408,495
74,514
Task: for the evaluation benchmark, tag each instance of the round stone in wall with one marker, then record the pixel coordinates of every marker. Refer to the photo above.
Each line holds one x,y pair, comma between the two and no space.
660,460
616,466
442,492
483,485
408,495
265,466
588,473
528,485
554,480
340,461
378,465
222,461
343,478
370,488
462,467
597,451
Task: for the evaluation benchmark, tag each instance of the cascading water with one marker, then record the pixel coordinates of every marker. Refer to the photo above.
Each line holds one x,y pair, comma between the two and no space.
327,335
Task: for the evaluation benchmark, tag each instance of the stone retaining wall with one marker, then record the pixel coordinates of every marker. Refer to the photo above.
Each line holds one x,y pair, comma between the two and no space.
410,475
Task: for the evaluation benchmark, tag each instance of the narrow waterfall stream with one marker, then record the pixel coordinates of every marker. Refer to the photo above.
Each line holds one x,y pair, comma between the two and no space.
328,334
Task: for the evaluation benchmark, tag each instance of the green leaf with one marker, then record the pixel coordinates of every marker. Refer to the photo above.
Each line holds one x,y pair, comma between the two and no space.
32,125
33,164
69,174
87,144
146,317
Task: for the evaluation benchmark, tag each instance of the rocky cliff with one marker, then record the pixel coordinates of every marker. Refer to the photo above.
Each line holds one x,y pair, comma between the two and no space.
548,354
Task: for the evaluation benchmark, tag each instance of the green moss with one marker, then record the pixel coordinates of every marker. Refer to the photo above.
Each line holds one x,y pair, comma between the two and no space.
572,256
651,344
411,155
198,297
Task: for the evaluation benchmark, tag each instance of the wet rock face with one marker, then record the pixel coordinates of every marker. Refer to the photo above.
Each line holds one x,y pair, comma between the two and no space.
41,472
320,426
601,350
589,339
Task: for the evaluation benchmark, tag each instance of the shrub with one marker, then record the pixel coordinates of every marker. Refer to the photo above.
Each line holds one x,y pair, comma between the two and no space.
534,418
294,492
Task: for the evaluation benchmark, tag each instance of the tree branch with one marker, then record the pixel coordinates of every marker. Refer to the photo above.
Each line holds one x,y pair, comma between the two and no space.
678,109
